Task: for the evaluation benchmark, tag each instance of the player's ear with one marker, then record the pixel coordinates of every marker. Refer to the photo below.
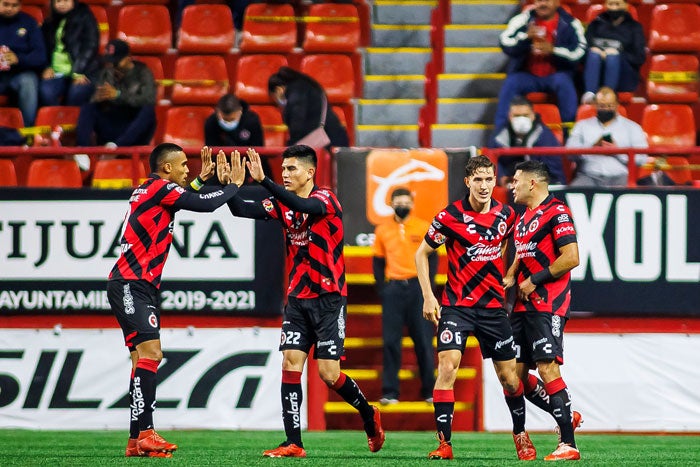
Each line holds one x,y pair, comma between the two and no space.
311,171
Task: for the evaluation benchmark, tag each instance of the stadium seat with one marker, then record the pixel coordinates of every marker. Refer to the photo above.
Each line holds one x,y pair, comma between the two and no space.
206,29
676,167
185,125
597,8
8,175
11,117
335,74
199,80
54,173
674,28
332,27
274,130
51,116
252,74
669,125
694,160
116,173
146,28
143,2
268,28
673,78
155,64
551,117
100,14
589,110
35,12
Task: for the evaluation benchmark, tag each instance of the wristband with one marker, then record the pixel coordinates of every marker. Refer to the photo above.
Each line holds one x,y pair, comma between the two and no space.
542,276
197,183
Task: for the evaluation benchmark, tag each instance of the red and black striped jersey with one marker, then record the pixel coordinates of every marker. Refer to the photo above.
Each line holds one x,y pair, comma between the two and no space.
474,243
315,259
539,233
147,232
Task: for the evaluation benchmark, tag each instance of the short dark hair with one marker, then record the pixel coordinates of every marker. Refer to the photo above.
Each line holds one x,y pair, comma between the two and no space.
520,100
160,153
536,168
401,192
478,162
229,103
301,152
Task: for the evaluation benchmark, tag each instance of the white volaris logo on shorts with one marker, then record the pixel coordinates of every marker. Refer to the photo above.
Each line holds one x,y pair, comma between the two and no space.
556,325
341,323
152,320
128,300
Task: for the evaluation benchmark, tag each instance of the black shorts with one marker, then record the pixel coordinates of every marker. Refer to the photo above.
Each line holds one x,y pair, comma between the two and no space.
136,307
489,325
315,321
539,337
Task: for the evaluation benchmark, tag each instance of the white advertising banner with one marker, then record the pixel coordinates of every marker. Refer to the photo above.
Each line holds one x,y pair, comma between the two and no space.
619,382
78,379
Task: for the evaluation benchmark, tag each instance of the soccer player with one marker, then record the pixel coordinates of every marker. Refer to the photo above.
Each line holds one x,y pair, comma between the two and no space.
134,281
315,313
546,252
474,231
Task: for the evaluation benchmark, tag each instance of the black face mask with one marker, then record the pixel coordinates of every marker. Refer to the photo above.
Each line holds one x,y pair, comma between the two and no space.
604,116
615,14
401,211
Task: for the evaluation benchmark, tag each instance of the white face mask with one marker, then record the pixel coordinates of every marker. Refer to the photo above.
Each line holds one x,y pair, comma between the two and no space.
521,124
228,126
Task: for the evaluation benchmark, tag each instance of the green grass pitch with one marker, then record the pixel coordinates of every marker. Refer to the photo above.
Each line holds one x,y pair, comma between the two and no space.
335,449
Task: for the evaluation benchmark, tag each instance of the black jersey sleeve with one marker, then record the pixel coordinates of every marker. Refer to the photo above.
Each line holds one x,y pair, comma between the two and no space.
207,201
247,208
292,201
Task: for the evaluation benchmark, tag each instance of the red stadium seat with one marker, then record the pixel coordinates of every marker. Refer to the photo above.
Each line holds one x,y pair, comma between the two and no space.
268,28
116,173
274,130
252,75
185,125
673,78
332,27
8,175
199,80
146,28
35,12
54,173
334,73
206,29
155,64
100,14
589,110
11,117
674,28
51,116
669,125
551,117
676,167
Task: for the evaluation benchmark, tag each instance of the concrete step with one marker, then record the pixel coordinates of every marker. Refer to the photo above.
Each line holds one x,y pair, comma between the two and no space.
475,60
466,110
400,35
473,35
388,111
459,85
387,136
483,11
396,60
394,86
452,135
402,11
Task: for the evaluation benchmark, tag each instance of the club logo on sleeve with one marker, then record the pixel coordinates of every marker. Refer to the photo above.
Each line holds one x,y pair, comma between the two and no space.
267,204
446,336
153,320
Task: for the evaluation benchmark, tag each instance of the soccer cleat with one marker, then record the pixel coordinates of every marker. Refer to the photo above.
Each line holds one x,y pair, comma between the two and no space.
576,421
444,450
524,447
564,452
132,450
151,442
288,450
376,442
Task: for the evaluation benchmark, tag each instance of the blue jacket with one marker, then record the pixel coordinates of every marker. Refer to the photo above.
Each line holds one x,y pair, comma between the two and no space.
540,136
22,35
569,42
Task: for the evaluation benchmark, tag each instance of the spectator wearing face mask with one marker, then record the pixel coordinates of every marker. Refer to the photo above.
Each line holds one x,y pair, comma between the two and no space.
233,124
607,129
616,51
524,129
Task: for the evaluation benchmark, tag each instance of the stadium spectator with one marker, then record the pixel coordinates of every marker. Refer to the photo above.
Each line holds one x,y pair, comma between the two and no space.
546,252
122,109
22,57
616,51
394,249
524,129
233,124
132,288
315,314
302,101
545,45
607,129
72,41
474,231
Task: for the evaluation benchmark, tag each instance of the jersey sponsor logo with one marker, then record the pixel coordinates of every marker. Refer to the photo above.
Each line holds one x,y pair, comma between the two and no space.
341,324
436,236
500,344
446,336
561,218
485,253
556,325
564,229
332,346
538,342
137,403
298,238
153,320
213,194
128,300
525,250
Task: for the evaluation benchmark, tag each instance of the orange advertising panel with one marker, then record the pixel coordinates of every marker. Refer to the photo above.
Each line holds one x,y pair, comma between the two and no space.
422,171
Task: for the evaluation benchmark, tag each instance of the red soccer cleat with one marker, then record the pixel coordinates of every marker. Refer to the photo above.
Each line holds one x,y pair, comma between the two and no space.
132,450
524,447
289,450
151,442
564,452
376,442
444,450
576,421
